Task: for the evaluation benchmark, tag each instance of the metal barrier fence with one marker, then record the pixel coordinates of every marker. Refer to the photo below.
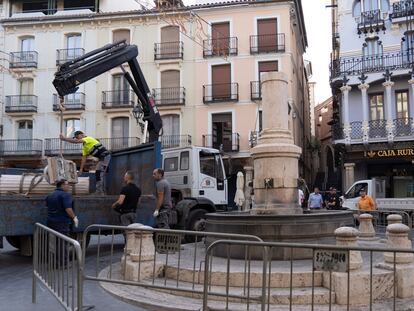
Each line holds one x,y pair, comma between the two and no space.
166,242
57,264
325,261
380,221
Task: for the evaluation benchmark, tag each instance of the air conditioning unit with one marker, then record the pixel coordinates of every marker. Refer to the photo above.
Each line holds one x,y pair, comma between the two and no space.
58,169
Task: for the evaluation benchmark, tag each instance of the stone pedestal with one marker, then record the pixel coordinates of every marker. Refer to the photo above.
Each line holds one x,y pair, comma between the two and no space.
398,238
138,262
347,236
366,228
394,219
275,156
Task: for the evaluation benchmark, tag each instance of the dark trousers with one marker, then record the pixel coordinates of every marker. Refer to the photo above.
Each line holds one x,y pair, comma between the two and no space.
162,220
58,251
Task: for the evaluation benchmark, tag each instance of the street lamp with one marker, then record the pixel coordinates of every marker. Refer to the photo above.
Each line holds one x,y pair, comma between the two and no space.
138,114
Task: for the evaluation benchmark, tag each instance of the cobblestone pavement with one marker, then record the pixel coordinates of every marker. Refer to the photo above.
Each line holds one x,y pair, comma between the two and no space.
16,286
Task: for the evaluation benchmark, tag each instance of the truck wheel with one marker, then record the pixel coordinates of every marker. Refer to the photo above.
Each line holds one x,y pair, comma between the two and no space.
196,222
14,241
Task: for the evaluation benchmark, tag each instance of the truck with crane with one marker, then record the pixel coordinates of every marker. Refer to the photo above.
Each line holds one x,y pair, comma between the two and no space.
197,174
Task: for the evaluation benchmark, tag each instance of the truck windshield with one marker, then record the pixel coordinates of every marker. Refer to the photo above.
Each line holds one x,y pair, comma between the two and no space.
354,191
211,165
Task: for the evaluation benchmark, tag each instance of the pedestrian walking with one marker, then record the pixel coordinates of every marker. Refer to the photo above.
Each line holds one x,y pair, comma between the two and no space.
365,202
92,147
315,200
163,199
128,199
333,201
60,212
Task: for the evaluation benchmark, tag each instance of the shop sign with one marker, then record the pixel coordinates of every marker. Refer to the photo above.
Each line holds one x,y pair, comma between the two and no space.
386,153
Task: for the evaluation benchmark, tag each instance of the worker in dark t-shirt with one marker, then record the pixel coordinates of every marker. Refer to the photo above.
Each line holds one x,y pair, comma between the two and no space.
128,199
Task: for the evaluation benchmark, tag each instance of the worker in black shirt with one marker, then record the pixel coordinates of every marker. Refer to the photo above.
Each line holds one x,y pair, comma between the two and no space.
332,200
127,202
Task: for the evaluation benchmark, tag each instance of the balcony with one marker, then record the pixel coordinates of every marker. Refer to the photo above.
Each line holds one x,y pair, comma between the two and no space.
173,141
21,147
17,11
75,101
169,96
377,130
52,147
273,43
21,103
227,143
354,66
371,21
220,47
255,90
220,92
402,9
66,55
118,99
169,50
116,143
26,59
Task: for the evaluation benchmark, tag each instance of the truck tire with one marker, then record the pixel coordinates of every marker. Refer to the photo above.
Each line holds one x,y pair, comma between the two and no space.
14,241
196,222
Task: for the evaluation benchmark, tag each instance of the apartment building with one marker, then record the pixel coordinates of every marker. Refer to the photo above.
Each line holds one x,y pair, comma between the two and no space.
373,89
203,63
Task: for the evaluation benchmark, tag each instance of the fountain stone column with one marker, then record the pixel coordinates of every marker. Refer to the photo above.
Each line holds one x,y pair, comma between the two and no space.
275,156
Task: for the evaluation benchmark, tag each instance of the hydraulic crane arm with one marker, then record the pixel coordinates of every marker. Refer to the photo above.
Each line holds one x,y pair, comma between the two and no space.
75,72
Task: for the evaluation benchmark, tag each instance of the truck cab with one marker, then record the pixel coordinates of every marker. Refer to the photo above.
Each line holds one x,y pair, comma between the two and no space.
375,188
198,183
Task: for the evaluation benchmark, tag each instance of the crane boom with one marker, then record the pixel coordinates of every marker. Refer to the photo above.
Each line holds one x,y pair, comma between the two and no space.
90,65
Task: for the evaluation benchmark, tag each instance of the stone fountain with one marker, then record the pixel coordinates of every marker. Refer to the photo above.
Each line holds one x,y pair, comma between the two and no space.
276,215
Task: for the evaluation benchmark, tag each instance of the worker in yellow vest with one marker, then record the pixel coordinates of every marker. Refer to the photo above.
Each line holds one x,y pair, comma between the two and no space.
92,147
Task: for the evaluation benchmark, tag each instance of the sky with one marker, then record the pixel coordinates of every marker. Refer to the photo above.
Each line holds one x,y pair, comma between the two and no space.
318,28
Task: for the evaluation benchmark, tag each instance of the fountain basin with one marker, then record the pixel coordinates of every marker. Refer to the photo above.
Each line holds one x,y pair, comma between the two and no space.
313,228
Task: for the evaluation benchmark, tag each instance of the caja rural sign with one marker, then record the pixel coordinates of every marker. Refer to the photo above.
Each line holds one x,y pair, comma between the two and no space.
386,153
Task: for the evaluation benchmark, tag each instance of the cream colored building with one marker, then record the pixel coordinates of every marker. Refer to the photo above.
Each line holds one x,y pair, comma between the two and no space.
203,62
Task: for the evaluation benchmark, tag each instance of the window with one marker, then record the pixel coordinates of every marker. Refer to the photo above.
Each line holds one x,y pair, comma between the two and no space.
221,81
267,35
267,66
27,44
119,132
220,33
73,46
79,4
369,5
171,164
120,86
210,165
401,101
26,87
121,34
376,106
372,47
171,125
407,46
185,160
71,126
35,6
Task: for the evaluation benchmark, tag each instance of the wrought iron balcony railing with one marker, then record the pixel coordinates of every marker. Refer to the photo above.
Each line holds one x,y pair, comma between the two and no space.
24,59
52,145
356,130
169,96
403,127
66,55
21,147
46,11
272,43
118,99
371,21
402,8
337,132
377,128
75,101
169,50
255,90
21,103
226,142
220,47
220,92
173,141
357,65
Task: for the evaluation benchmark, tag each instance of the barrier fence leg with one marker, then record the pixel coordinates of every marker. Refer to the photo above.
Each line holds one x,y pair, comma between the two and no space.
35,252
